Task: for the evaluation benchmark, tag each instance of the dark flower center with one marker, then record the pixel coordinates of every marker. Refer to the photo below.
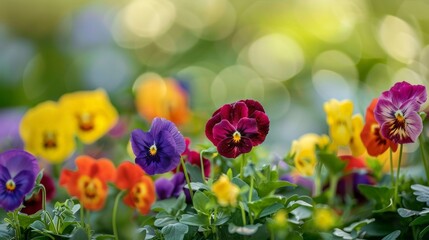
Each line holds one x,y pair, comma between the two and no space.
85,121
153,150
399,116
375,130
10,185
49,140
236,137
90,189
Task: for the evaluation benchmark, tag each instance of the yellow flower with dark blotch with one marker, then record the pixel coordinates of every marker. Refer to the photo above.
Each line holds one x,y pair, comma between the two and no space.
48,131
356,144
304,153
339,119
165,98
325,218
93,113
225,191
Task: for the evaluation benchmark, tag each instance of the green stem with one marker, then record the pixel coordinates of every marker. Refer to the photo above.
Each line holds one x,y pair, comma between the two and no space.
82,215
17,225
187,178
243,163
203,175
214,226
115,211
243,214
317,180
395,196
422,151
392,177
43,197
332,188
251,189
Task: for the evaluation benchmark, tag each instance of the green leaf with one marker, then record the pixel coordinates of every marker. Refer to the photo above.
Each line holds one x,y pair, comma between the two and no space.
392,236
198,186
200,202
381,195
403,212
171,205
246,230
358,225
331,162
6,232
194,220
174,231
422,193
194,172
257,207
423,232
420,220
79,234
161,222
103,237
294,236
266,188
26,220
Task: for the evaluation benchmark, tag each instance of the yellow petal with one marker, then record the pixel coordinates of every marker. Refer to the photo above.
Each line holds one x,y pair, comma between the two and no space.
225,191
48,131
93,112
338,117
356,144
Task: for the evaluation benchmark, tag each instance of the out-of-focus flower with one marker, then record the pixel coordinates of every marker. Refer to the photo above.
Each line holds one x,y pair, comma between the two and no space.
93,113
34,204
371,136
304,153
299,180
9,129
356,144
237,127
397,112
193,157
339,119
159,149
18,172
89,181
225,191
166,188
163,98
324,218
48,131
141,190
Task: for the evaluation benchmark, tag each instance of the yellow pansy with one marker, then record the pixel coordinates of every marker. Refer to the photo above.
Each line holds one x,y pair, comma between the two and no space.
92,111
339,119
48,131
304,153
324,218
165,98
225,191
356,144
280,218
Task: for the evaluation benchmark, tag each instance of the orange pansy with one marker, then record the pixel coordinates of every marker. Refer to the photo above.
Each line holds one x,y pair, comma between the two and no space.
89,182
140,187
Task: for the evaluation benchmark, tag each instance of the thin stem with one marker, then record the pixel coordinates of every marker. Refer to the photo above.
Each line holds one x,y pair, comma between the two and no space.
82,215
203,175
115,211
214,226
422,151
187,178
243,163
251,189
392,177
332,188
243,214
317,180
43,197
395,196
17,225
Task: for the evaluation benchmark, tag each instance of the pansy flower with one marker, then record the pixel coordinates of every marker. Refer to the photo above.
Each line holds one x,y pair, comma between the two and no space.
48,131
325,218
397,112
140,187
93,113
225,191
237,127
159,149
193,157
303,151
18,172
34,204
371,136
165,98
167,188
89,182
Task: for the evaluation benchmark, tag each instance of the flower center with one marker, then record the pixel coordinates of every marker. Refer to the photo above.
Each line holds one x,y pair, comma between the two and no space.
139,193
236,137
49,140
399,116
10,185
153,150
86,121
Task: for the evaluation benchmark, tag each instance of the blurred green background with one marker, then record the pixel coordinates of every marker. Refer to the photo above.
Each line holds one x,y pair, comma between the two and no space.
291,55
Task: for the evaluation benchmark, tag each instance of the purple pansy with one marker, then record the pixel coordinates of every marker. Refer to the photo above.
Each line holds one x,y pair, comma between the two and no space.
18,172
237,127
166,188
397,112
159,149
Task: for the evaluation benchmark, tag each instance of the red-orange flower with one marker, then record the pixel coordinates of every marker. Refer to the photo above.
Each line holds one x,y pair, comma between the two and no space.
371,136
140,187
89,181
